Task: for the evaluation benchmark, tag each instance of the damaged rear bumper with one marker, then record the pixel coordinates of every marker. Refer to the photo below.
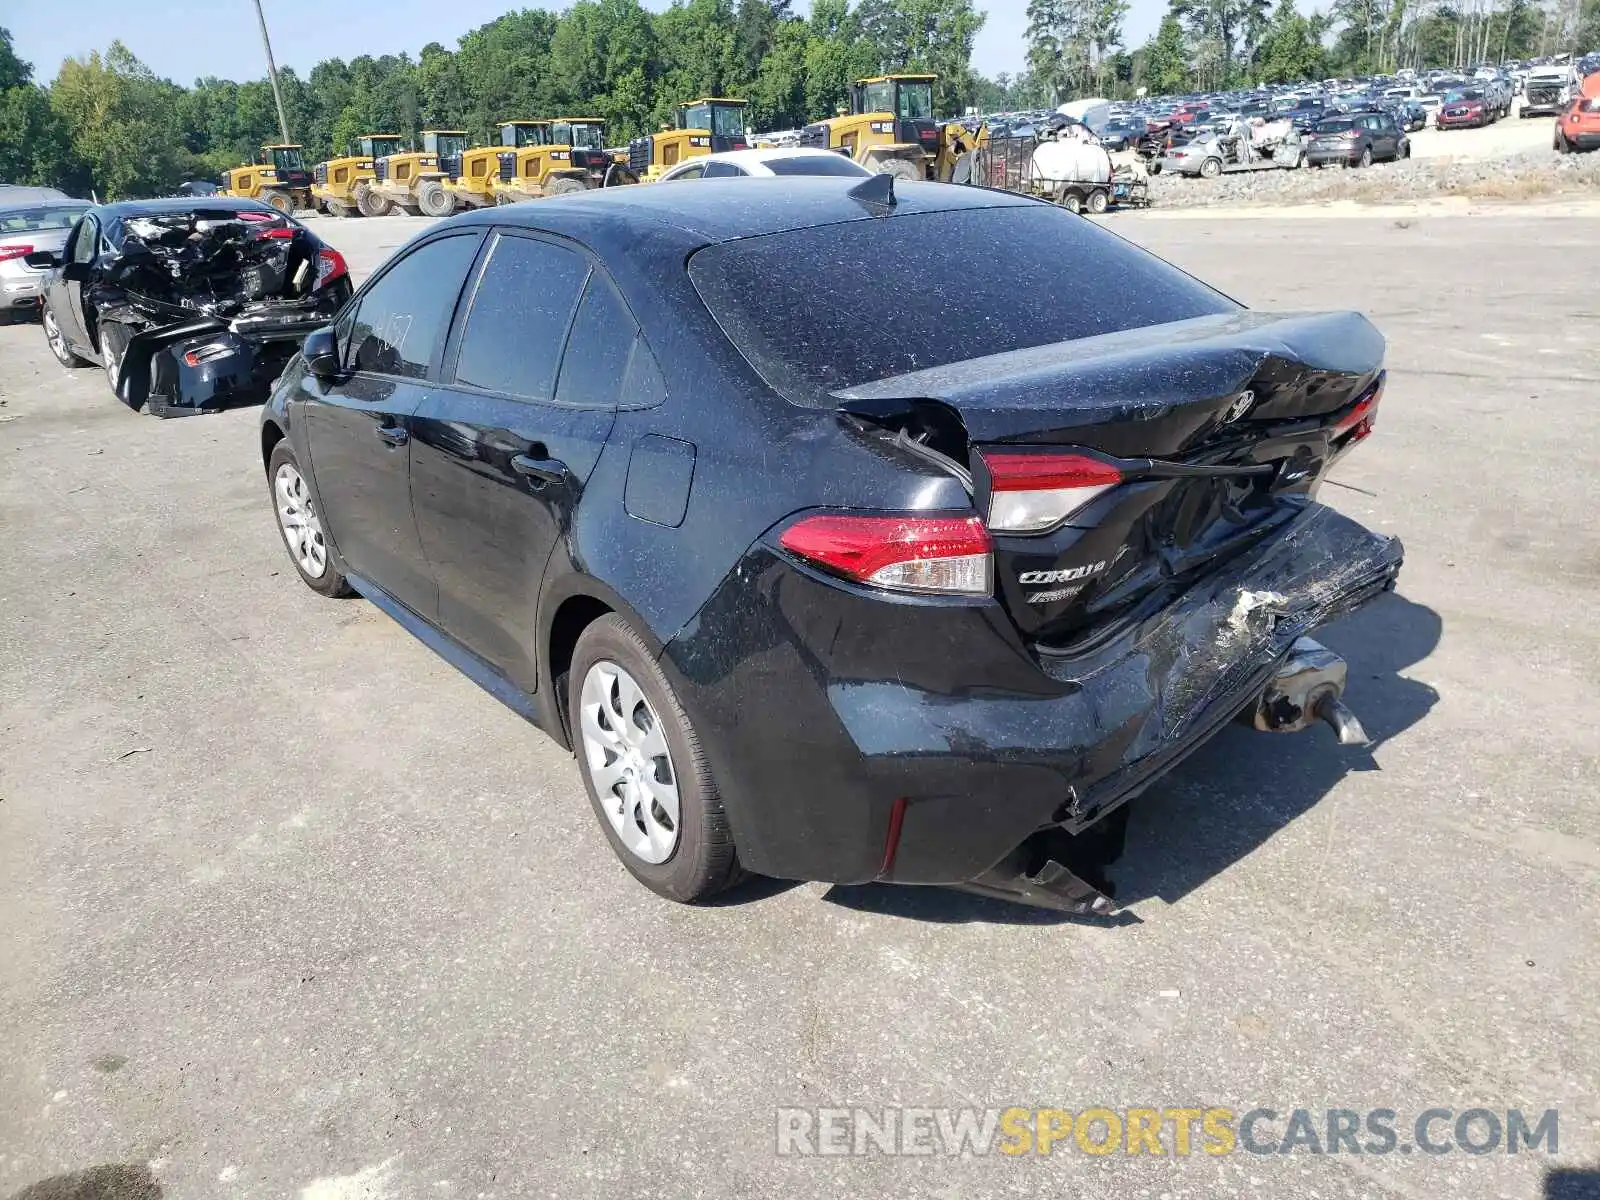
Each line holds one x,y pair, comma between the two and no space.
861,745
207,364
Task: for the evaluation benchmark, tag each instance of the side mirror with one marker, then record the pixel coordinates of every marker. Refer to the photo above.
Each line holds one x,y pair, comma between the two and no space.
42,260
321,352
76,272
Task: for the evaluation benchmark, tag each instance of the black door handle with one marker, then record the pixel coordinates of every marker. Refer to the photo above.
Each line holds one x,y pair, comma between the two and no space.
394,435
545,470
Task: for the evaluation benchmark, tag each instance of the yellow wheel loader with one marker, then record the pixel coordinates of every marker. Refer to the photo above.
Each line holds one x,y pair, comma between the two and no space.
472,185
278,177
709,125
575,159
447,148
341,186
397,178
890,127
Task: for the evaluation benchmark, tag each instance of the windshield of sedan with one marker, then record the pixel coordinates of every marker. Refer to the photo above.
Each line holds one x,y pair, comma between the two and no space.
792,302
54,216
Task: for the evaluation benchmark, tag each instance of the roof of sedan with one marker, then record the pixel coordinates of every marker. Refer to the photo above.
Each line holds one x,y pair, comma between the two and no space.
177,204
736,208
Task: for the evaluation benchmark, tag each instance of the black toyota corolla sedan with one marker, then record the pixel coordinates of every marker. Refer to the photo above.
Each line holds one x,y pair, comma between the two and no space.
848,531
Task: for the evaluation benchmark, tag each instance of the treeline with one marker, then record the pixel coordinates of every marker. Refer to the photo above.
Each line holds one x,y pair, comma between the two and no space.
108,123
1075,47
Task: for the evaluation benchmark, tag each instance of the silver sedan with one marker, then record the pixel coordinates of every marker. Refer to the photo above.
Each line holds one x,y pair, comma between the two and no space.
30,228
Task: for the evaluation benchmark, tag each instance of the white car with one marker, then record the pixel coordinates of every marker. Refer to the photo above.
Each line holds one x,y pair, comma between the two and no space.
791,160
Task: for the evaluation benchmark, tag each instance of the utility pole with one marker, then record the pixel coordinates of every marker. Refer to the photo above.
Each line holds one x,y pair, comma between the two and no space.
272,73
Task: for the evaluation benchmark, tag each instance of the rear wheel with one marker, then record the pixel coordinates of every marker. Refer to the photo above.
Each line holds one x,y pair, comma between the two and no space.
278,200
647,777
1070,199
57,341
564,187
1211,168
113,345
1366,157
433,200
301,525
1098,201
1562,146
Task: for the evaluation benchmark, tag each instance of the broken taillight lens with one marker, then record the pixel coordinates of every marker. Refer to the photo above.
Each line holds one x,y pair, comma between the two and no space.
1034,491
1357,423
939,555
330,266
9,252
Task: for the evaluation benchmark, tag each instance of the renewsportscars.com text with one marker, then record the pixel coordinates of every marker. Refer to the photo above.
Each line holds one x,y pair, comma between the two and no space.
1176,1132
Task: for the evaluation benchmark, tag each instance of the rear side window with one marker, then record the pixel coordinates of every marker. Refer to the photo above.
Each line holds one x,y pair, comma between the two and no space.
400,322
519,317
820,309
815,164
596,360
722,170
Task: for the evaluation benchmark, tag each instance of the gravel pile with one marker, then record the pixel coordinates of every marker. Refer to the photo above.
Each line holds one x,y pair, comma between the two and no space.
1515,177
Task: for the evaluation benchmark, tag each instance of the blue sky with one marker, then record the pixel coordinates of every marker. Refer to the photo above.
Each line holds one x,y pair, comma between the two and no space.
184,39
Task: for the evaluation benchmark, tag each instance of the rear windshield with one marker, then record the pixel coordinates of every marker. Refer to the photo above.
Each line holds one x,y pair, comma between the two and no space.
28,220
836,306
815,164
1335,126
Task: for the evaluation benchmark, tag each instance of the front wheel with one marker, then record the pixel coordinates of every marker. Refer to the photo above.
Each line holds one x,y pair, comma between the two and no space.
301,525
647,777
278,200
434,200
564,187
898,167
1562,146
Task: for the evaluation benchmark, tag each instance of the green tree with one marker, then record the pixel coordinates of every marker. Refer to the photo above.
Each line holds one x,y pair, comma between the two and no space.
35,144
124,123
1166,59
1288,53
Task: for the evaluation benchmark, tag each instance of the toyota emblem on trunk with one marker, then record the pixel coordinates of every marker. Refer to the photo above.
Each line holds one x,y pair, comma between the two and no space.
1241,405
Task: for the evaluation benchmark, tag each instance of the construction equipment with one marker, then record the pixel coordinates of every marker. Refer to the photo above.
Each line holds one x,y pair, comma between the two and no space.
278,177
472,184
398,176
890,127
574,159
342,186
447,148
709,125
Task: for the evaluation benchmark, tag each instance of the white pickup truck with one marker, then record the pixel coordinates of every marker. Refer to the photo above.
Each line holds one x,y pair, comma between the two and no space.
1549,90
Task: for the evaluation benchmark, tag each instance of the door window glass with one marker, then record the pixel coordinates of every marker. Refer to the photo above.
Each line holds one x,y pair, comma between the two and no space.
400,323
85,241
721,170
519,317
598,349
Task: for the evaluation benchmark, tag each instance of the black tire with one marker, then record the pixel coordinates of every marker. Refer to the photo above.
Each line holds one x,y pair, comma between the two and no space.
897,167
370,203
58,343
564,187
434,200
278,200
1211,168
1366,157
704,861
114,339
1099,201
331,582
1562,146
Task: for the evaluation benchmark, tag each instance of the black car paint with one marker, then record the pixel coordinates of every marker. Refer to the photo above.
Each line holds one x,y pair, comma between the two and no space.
250,352
820,704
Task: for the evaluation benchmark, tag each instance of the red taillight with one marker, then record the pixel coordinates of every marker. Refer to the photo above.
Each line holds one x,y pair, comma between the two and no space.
1358,422
1033,491
905,554
276,235
7,253
330,266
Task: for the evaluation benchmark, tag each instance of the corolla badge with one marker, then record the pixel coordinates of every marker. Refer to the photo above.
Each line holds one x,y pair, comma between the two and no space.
1241,405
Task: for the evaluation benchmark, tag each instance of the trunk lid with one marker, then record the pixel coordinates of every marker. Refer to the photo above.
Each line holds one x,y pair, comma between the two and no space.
1216,432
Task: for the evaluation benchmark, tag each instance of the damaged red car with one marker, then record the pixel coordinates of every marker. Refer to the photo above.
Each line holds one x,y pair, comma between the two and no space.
189,305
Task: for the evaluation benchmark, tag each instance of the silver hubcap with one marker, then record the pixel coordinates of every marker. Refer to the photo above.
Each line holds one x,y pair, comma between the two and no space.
52,334
302,529
629,762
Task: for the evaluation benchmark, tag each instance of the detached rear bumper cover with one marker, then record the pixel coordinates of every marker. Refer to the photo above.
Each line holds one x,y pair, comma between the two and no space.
825,707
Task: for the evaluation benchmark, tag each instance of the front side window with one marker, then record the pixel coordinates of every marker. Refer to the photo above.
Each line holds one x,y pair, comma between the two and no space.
916,102
693,172
520,312
400,322
86,241
878,97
